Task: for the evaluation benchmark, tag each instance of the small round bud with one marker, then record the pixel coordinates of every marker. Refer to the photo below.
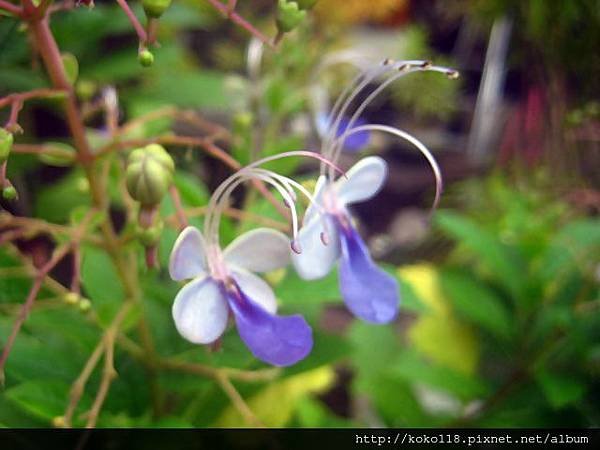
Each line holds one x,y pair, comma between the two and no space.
149,174
84,305
86,89
58,154
71,298
9,193
71,66
289,15
59,422
150,236
146,58
6,142
155,8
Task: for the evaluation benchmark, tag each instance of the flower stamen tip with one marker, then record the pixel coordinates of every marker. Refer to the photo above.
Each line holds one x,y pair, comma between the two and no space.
295,247
453,74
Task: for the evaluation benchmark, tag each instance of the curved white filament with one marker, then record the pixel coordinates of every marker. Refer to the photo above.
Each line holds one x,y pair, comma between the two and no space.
414,141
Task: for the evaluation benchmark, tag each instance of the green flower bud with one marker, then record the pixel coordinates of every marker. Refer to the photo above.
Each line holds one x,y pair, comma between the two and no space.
9,193
6,142
84,305
155,8
289,15
149,174
150,236
71,298
71,67
58,154
146,58
306,4
59,422
85,89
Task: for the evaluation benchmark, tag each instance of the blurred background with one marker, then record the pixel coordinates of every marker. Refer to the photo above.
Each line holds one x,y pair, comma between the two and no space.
500,324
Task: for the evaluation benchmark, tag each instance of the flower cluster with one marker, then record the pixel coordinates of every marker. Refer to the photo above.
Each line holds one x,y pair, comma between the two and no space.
223,282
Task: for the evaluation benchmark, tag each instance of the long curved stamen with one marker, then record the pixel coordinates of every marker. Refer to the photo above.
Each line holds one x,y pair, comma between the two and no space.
354,88
211,229
313,202
217,201
414,141
404,69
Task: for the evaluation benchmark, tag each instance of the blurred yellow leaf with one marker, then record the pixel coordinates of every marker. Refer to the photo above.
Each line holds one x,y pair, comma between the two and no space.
275,404
437,333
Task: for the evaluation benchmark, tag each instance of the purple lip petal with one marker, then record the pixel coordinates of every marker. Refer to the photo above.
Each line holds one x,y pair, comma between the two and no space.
369,292
277,340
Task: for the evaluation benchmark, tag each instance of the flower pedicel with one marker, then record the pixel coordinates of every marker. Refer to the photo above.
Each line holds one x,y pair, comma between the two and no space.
368,291
223,282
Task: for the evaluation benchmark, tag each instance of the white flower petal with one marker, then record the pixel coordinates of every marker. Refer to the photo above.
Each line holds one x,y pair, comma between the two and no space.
188,257
255,288
200,311
363,181
259,250
316,259
312,210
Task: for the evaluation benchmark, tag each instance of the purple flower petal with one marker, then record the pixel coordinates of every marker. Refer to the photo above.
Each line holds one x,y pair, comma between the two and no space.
277,340
356,141
369,292
353,143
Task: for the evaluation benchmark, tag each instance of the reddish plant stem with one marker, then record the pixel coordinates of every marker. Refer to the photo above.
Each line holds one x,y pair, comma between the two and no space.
139,29
152,30
179,211
12,123
239,20
76,277
46,45
3,174
50,54
13,9
24,96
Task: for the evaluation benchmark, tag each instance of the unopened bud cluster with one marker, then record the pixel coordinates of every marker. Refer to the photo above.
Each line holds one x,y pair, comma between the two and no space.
149,173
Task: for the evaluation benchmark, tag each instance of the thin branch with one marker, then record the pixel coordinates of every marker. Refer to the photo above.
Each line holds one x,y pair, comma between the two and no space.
139,29
29,95
238,402
26,307
239,20
13,9
16,100
38,280
179,211
109,373
78,386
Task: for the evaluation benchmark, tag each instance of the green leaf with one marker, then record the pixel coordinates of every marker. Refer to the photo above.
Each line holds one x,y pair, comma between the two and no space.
414,368
55,202
477,303
560,390
44,399
286,394
573,248
101,282
501,261
310,296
